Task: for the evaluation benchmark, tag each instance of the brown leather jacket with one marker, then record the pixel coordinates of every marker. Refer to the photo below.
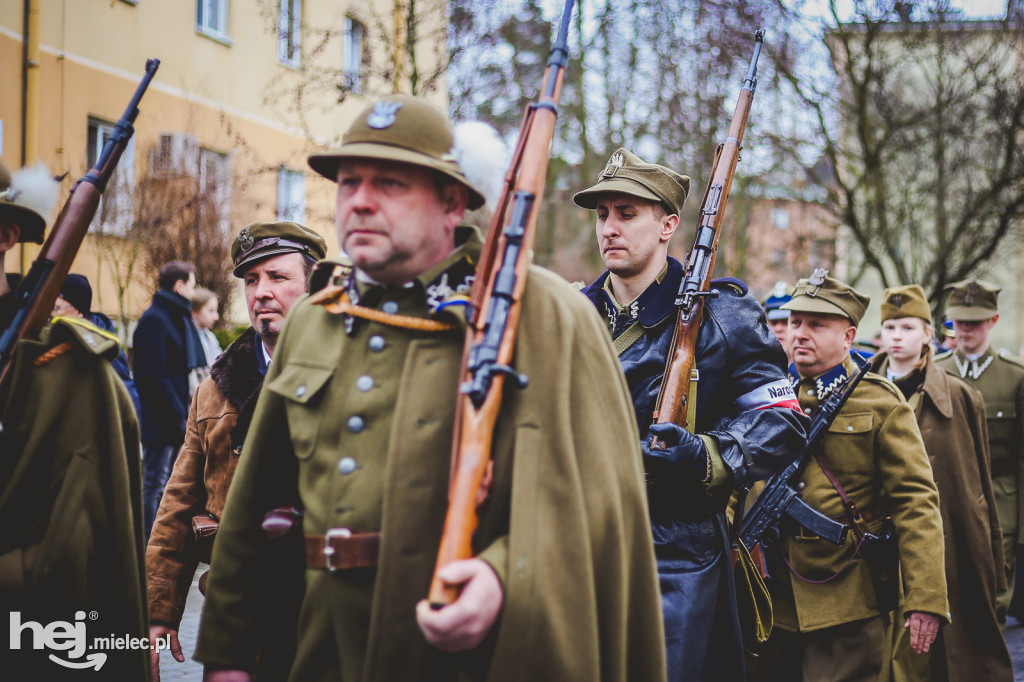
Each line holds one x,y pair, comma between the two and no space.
217,423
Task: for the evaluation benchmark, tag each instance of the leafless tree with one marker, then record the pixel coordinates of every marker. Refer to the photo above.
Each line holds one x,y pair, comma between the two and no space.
920,114
658,77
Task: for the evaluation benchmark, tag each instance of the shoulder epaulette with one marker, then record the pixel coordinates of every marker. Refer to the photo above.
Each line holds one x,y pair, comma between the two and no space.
329,273
882,381
737,285
943,356
1011,358
84,334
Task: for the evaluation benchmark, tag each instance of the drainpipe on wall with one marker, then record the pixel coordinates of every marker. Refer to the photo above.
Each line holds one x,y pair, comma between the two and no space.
29,95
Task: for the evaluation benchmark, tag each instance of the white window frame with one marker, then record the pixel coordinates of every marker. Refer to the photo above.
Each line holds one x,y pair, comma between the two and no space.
353,52
212,19
291,195
289,33
116,211
221,183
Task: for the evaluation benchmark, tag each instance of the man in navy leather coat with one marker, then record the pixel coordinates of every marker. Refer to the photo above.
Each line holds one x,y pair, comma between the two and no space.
748,426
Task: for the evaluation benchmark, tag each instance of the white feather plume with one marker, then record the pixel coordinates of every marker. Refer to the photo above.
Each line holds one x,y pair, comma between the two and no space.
34,188
483,158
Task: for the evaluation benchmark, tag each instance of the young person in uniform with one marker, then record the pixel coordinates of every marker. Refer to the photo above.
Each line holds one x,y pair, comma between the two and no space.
748,422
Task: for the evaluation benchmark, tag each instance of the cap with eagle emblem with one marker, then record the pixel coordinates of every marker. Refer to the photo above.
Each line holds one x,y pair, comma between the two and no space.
906,301
259,241
627,173
972,300
827,295
405,129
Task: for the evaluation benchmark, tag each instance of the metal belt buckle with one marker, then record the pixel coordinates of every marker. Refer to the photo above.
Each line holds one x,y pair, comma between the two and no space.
328,549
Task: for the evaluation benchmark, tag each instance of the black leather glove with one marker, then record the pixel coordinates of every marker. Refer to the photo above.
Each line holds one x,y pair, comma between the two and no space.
684,455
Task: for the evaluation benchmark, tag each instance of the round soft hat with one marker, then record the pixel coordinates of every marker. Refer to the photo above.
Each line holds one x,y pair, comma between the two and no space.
627,173
972,300
823,294
263,240
906,301
13,209
77,291
773,304
399,128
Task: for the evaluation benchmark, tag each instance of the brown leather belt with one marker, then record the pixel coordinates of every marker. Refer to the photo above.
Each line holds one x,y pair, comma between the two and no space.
339,549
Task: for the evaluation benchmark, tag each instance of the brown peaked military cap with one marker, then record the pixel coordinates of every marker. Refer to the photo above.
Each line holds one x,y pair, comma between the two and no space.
30,223
262,240
399,128
972,300
820,293
906,301
627,173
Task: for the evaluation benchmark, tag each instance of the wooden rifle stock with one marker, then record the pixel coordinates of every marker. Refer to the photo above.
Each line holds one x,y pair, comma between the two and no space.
494,316
674,404
38,291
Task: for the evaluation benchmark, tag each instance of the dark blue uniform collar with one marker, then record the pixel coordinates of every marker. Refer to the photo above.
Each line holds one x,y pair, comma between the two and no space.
658,301
825,382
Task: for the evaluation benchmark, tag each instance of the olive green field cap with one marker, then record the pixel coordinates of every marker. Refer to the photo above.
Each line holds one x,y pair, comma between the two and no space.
906,301
627,173
827,295
13,210
972,300
258,241
399,128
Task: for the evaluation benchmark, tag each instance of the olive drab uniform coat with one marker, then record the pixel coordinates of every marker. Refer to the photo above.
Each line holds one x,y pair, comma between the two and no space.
70,502
875,450
356,420
951,416
1000,378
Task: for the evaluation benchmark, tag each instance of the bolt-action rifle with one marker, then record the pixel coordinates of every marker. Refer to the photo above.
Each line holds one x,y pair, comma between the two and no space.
39,289
494,315
779,499
677,401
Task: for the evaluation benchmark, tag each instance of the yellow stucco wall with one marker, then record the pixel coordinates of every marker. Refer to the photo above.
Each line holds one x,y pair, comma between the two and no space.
233,98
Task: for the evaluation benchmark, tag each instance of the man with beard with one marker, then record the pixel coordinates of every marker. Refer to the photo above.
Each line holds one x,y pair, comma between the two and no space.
274,261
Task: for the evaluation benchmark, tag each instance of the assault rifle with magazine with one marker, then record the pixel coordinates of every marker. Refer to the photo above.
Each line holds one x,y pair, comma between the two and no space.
780,499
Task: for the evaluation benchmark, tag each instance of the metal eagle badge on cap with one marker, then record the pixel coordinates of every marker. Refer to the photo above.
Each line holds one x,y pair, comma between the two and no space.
816,280
896,300
245,239
383,115
614,164
972,290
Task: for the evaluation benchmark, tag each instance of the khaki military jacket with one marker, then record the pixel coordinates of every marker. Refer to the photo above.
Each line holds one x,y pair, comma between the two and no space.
70,501
356,420
1000,378
951,416
875,450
